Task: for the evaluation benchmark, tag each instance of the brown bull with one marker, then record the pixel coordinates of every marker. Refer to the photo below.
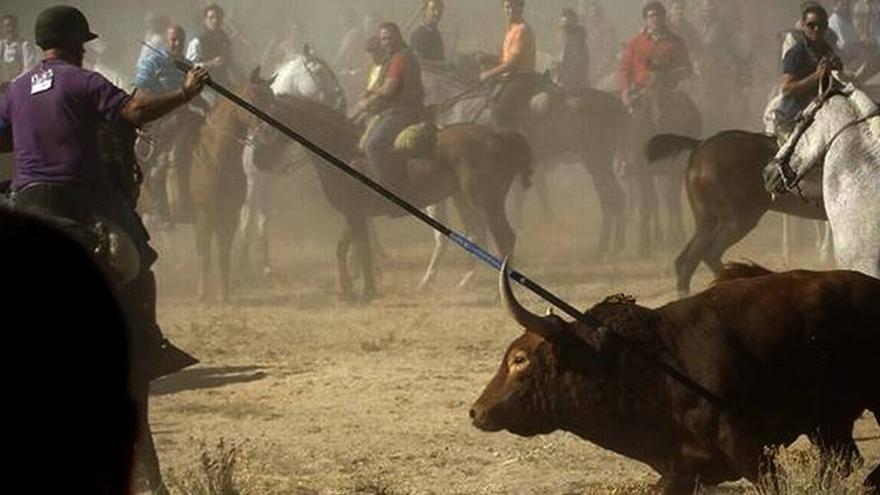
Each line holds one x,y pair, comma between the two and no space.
790,354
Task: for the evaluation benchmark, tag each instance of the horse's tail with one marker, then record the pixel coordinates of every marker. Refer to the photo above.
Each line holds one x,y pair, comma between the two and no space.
514,150
664,146
736,271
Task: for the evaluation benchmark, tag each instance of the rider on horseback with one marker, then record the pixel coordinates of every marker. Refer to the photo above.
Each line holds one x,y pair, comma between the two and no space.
52,114
425,40
654,63
398,100
805,65
157,74
515,73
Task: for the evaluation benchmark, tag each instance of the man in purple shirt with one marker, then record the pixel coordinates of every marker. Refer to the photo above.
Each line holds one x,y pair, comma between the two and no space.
50,118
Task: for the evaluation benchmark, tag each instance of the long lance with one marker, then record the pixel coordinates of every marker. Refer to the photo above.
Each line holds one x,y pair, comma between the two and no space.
470,247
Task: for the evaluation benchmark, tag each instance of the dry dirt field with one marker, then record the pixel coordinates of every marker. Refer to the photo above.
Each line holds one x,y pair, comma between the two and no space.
325,397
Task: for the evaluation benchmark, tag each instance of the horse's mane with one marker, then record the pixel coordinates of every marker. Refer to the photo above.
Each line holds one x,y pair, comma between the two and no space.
736,271
866,105
294,106
317,121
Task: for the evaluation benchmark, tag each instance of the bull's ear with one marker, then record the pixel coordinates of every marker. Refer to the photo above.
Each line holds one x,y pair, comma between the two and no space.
598,339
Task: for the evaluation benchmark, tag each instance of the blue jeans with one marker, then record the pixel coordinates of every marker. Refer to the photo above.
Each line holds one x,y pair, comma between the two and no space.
379,145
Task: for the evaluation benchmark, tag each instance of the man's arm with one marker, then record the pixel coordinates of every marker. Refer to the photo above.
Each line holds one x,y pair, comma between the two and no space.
145,107
789,85
625,73
392,85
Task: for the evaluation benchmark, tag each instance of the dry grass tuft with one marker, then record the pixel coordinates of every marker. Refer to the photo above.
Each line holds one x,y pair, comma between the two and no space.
214,472
802,472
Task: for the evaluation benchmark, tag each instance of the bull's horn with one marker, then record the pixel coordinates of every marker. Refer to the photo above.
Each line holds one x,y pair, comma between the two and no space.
521,315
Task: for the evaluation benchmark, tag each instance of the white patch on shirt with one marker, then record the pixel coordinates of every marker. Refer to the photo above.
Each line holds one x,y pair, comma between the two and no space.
42,81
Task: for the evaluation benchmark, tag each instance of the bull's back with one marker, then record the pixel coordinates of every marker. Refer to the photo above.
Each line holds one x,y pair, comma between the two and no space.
786,335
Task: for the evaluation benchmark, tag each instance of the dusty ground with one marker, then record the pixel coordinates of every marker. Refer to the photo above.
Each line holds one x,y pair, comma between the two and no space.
326,397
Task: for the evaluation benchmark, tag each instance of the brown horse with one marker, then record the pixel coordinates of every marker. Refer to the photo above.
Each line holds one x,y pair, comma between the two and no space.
726,191
217,184
588,126
473,165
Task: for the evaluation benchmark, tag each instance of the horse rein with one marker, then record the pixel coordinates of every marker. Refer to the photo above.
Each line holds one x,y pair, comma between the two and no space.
790,180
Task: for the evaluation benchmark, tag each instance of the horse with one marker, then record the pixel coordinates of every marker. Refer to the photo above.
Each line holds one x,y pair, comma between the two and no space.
726,194
556,138
834,156
588,125
471,164
305,75
217,184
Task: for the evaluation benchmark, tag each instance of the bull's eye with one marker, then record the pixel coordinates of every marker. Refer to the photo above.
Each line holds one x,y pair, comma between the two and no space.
518,361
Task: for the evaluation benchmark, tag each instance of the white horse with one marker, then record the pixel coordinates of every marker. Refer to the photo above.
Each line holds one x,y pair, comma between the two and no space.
307,76
834,156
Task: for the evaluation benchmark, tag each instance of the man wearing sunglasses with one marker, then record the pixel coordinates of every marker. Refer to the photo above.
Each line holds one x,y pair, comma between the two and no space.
810,60
804,66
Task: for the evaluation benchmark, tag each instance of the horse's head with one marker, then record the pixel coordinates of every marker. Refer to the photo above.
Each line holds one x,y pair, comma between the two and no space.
817,128
258,91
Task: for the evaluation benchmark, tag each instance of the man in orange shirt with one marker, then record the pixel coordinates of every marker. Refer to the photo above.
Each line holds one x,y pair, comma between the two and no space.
515,74
654,63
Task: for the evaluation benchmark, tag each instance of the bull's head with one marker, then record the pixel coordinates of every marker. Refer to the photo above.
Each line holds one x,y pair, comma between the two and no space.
532,389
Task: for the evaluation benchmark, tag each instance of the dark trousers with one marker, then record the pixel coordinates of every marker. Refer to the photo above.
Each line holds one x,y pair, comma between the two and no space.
379,145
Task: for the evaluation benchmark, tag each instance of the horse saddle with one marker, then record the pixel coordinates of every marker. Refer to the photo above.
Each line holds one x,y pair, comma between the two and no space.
417,141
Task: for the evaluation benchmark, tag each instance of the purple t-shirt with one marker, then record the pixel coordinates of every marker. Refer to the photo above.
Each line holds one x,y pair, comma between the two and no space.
53,111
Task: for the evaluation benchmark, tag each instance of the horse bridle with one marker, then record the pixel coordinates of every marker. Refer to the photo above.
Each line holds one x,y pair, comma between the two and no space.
789,178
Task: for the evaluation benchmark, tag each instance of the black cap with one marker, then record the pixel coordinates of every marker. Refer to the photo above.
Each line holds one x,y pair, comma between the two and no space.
60,26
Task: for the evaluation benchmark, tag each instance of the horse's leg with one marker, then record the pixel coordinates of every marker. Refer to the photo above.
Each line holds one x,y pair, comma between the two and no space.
440,213
375,242
342,249
729,233
203,250
499,225
786,240
686,263
225,235
543,197
826,246
475,226
146,449
360,235
611,198
673,185
648,206
518,199
263,240
245,225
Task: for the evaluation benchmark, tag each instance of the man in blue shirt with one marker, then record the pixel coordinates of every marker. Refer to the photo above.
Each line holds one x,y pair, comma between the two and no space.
157,74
